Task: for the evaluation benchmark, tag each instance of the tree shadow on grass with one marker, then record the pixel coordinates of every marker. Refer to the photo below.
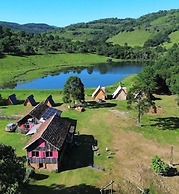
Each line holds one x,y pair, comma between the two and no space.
39,176
61,189
80,154
94,104
57,104
170,123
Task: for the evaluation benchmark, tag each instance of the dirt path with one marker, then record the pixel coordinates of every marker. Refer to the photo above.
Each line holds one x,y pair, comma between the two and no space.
134,153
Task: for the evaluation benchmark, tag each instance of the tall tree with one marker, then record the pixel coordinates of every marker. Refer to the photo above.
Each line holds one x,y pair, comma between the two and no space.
12,171
141,100
73,90
141,92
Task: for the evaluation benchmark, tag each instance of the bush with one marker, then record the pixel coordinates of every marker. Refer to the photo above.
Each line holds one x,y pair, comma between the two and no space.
159,166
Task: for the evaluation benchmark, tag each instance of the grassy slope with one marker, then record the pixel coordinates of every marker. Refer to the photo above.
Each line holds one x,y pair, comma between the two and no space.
174,38
15,68
135,38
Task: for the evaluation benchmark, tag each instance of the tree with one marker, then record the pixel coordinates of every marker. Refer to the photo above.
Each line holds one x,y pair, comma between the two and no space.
141,92
73,90
141,100
12,171
159,166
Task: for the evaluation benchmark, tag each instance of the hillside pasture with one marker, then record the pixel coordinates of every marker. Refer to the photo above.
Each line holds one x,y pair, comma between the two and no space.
174,38
134,38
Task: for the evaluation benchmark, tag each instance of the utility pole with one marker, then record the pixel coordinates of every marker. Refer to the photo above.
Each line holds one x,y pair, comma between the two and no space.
171,156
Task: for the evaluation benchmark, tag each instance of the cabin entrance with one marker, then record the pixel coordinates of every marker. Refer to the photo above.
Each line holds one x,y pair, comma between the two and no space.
40,165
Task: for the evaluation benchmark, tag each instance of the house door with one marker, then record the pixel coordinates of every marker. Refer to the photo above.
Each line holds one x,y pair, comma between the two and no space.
40,165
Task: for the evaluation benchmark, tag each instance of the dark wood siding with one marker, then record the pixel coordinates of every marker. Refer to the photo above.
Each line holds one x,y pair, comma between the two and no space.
43,160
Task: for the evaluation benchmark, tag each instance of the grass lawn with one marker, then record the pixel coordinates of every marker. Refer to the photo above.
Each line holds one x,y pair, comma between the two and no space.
112,126
174,38
134,38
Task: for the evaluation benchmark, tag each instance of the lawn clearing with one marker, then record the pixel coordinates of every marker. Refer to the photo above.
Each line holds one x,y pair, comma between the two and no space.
134,38
113,126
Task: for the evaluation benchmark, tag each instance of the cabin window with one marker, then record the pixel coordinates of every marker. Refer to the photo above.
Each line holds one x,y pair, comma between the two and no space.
35,154
49,154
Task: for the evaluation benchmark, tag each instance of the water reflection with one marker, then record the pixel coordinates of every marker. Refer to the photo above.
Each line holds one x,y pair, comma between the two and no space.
91,76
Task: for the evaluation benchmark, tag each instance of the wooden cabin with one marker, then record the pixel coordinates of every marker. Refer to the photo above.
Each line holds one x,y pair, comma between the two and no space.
49,101
12,99
38,114
99,93
46,147
30,101
120,93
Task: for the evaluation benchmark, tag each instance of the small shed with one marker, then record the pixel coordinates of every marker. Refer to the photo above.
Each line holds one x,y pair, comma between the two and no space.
12,99
99,93
120,93
49,101
30,101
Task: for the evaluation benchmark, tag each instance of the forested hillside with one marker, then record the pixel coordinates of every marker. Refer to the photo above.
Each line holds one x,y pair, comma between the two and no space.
131,39
31,27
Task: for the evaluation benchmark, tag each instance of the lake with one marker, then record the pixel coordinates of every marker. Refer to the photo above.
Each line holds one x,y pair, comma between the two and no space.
91,76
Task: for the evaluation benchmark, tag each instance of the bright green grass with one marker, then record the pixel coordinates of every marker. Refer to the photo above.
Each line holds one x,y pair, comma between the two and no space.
95,122
160,20
174,38
135,38
163,127
16,68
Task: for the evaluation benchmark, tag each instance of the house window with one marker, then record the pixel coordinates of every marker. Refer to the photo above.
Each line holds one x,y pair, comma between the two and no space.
35,154
49,154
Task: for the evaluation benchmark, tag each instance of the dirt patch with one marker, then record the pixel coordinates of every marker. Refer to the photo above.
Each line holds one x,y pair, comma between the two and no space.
156,110
134,153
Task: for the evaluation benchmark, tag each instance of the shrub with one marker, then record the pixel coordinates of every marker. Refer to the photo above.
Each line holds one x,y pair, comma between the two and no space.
159,166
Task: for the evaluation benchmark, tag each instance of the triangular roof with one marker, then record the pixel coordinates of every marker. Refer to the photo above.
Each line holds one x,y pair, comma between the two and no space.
54,130
12,99
98,89
119,89
50,100
41,110
31,100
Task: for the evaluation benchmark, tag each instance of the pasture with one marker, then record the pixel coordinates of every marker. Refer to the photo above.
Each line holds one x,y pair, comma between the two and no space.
134,38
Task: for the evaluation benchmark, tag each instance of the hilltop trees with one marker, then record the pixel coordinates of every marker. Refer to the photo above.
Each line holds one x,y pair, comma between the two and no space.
73,90
12,171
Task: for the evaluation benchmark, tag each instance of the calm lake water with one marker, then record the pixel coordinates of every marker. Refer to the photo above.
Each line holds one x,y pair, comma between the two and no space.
100,74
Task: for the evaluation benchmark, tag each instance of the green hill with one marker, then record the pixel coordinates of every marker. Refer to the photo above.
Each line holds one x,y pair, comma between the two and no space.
134,38
153,29
150,30
174,38
30,27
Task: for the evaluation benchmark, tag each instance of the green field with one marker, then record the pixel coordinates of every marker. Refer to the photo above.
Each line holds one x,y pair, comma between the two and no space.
113,126
174,38
134,38
22,68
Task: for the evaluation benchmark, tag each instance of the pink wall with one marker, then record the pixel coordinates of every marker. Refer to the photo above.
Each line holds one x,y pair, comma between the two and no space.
29,154
41,154
55,154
